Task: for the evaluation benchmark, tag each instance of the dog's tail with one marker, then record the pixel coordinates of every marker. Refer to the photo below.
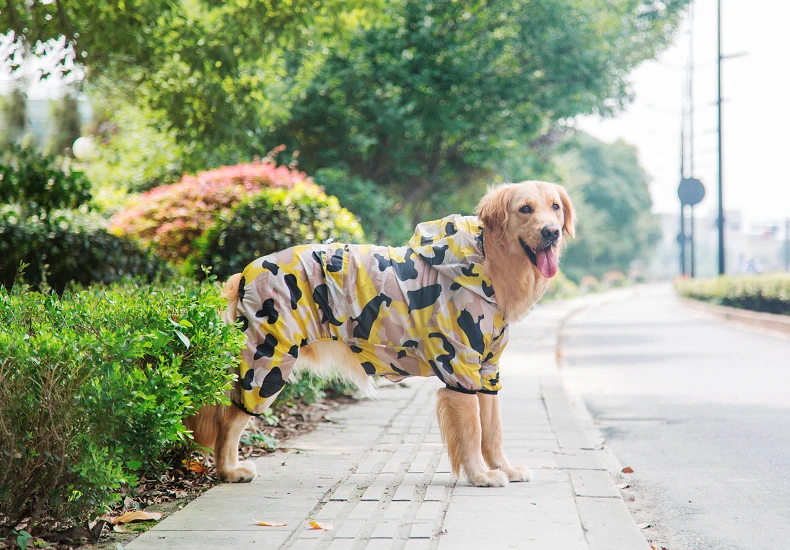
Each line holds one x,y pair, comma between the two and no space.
333,360
230,291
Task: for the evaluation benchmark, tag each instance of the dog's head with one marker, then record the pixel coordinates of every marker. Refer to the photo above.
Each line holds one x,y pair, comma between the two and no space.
531,219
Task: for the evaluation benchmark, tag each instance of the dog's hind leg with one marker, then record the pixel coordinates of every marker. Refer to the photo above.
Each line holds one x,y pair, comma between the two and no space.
459,423
226,450
491,423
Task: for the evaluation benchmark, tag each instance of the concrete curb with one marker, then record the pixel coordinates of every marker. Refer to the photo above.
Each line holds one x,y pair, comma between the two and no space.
608,522
755,320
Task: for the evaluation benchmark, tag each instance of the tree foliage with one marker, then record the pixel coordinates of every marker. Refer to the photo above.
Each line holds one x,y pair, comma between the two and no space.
13,119
610,191
372,204
66,125
420,103
434,96
212,70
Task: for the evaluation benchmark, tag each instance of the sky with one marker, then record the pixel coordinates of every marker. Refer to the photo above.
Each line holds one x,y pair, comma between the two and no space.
756,111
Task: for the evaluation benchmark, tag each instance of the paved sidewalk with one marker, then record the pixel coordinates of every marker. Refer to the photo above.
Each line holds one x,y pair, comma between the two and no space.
379,475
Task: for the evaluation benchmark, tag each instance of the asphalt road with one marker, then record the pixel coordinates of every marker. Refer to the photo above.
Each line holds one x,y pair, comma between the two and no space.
698,408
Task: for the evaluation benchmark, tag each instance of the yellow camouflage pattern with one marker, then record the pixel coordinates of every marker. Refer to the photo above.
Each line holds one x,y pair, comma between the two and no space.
420,310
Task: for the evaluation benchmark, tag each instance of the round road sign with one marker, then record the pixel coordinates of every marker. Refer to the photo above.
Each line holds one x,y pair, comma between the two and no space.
691,191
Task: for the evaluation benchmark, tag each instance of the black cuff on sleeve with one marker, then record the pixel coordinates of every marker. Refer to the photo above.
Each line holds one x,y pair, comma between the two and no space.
489,392
244,409
460,389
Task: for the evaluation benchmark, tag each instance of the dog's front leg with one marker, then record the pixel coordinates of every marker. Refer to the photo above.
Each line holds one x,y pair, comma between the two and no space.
491,422
459,423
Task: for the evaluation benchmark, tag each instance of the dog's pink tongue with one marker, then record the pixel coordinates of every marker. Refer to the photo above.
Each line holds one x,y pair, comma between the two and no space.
547,262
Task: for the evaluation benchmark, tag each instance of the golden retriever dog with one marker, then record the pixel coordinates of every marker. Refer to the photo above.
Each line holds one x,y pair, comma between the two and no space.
437,307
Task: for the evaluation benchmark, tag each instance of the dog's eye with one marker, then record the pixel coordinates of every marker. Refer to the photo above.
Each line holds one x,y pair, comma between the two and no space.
555,206
526,209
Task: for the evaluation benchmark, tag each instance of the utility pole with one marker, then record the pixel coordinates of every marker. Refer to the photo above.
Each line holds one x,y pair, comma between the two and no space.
691,91
692,271
682,233
787,244
720,220
691,130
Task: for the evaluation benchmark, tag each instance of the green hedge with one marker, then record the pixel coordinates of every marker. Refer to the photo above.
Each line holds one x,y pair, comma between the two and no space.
767,293
270,221
370,203
69,246
45,222
560,287
94,386
169,218
38,183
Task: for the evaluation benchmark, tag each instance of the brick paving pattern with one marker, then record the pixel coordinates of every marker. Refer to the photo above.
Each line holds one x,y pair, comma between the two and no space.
378,474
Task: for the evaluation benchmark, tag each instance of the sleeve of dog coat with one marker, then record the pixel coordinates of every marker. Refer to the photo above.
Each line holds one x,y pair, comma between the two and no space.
489,371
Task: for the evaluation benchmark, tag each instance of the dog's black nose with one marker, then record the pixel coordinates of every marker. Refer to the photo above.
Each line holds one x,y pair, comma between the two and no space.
550,233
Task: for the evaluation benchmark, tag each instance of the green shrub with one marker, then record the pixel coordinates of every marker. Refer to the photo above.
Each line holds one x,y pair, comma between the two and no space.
560,287
95,385
589,283
768,293
614,279
270,221
69,246
39,184
370,203
171,217
46,225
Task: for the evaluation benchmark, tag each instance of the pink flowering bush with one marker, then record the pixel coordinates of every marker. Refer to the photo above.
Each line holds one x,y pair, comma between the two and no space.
170,217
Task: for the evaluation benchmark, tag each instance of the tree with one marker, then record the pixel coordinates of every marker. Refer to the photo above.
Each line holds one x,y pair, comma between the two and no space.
433,97
12,116
66,125
213,71
611,194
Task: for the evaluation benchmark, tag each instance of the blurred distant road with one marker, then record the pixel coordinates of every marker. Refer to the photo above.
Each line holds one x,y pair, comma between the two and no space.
698,408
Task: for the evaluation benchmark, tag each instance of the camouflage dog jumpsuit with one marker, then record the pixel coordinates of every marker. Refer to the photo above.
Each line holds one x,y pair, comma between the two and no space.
420,310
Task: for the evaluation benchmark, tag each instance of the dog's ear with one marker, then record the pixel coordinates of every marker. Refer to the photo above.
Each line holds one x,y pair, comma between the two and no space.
493,210
568,213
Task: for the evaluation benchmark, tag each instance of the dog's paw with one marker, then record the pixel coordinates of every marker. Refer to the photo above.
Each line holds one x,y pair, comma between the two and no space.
243,473
491,478
518,473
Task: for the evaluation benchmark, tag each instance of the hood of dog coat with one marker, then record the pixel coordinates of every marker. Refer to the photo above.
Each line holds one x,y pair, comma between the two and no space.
453,246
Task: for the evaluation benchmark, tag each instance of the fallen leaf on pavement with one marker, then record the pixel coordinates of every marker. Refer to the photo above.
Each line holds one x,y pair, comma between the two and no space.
195,466
628,470
269,524
323,526
645,525
137,515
